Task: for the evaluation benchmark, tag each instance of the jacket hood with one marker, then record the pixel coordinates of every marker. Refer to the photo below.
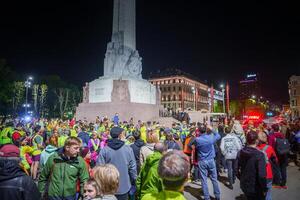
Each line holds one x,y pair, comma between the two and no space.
278,135
248,152
50,149
115,143
153,158
150,146
139,143
10,169
237,128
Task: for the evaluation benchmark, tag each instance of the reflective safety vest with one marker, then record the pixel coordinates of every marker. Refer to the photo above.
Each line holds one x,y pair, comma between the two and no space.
61,140
36,148
5,136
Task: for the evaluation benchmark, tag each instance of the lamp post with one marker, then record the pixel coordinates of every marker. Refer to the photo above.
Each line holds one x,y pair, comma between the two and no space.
223,95
27,85
194,92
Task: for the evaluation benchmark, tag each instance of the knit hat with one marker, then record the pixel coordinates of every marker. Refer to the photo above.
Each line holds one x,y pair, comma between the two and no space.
115,132
167,130
84,152
9,150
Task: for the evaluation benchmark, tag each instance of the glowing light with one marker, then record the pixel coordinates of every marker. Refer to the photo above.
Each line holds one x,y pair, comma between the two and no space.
251,75
27,118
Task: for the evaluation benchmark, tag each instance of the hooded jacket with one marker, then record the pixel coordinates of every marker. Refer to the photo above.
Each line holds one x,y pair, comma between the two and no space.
15,184
46,153
146,150
252,171
230,146
122,157
63,174
136,147
165,195
148,180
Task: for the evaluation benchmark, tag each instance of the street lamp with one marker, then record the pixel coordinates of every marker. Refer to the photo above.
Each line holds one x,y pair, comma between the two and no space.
223,95
253,96
27,85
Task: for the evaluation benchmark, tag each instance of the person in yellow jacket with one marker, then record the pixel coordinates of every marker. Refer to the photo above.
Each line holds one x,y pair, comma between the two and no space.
143,131
6,133
25,155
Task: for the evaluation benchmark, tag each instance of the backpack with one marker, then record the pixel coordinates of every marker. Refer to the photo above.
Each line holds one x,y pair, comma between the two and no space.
282,146
264,150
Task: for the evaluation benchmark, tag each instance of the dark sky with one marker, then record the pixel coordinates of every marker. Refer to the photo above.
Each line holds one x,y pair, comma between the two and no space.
215,41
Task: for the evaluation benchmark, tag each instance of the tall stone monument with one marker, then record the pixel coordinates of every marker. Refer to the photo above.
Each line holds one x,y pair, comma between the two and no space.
122,88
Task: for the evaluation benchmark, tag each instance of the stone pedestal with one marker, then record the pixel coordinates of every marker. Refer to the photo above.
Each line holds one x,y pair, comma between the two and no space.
135,98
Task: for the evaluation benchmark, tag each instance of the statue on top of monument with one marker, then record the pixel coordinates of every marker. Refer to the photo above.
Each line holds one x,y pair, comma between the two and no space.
121,60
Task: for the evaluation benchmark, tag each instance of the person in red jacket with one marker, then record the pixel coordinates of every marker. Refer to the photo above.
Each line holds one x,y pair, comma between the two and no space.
269,154
282,159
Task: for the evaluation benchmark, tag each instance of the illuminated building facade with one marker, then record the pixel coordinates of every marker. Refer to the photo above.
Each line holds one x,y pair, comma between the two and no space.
181,91
294,93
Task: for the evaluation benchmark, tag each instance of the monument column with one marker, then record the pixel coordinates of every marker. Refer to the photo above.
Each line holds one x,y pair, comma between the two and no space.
121,58
124,21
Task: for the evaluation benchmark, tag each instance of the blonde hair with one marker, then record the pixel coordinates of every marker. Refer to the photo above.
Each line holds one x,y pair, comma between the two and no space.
93,183
107,176
152,137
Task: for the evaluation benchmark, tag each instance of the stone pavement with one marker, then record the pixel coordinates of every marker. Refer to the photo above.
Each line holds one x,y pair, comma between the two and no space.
193,191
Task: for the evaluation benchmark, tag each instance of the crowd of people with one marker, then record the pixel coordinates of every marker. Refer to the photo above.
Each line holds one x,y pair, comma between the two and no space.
109,159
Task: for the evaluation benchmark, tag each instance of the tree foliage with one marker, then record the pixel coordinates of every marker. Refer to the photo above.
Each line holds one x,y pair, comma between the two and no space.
50,96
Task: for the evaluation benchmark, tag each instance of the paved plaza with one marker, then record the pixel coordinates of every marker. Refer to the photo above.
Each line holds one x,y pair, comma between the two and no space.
193,191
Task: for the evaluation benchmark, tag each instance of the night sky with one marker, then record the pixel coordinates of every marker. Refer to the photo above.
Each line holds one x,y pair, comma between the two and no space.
215,41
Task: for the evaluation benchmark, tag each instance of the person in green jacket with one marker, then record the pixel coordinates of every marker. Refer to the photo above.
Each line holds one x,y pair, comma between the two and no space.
173,168
62,170
148,180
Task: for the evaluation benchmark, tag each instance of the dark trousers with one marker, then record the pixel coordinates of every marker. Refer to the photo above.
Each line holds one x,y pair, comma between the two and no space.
255,197
283,162
122,196
232,170
196,172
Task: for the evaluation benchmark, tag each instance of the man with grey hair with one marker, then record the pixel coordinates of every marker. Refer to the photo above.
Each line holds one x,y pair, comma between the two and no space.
173,169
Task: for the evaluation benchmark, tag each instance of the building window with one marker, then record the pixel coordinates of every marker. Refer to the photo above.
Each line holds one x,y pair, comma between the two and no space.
169,89
179,88
169,97
295,92
174,97
179,97
174,80
174,89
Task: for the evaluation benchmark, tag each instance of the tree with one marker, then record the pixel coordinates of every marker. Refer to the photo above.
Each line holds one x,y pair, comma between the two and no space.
218,107
18,95
236,108
6,86
42,99
63,99
35,96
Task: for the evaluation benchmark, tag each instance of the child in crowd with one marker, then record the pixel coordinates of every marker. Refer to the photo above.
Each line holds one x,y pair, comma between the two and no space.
91,190
107,176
